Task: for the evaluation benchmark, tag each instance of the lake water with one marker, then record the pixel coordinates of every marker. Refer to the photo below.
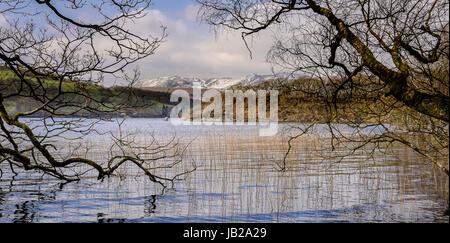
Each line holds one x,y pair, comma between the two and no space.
237,180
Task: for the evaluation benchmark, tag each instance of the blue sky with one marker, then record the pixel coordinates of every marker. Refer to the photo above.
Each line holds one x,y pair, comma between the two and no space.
171,6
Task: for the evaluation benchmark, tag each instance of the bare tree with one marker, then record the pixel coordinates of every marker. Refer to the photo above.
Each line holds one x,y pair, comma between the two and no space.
54,57
383,61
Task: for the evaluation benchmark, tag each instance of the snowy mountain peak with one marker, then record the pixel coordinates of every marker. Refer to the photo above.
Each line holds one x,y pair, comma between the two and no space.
212,83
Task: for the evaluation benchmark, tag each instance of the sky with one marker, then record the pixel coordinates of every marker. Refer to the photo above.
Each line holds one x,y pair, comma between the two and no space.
193,49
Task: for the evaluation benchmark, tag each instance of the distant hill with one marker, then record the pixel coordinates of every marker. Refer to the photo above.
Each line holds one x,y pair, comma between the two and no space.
304,100
151,98
139,102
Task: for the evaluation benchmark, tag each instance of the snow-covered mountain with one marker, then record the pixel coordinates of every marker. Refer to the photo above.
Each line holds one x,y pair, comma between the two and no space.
210,83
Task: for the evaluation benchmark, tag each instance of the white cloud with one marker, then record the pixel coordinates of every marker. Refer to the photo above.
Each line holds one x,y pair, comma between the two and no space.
3,21
193,50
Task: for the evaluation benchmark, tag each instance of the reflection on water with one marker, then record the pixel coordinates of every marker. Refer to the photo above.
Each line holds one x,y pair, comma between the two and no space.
236,181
